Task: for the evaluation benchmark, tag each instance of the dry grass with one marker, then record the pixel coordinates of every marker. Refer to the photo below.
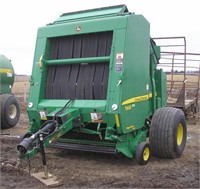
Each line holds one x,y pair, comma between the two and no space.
180,77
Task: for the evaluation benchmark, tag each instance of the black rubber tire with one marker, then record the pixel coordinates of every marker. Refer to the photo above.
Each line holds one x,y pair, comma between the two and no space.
142,153
165,127
10,111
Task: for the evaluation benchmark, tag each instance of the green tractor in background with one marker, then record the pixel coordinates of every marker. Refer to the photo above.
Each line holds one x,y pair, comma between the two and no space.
95,87
10,109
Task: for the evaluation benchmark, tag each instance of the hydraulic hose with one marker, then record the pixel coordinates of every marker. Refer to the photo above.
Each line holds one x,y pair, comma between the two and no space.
152,45
56,116
64,107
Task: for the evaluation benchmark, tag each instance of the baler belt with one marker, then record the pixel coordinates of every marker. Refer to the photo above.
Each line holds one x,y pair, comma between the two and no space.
57,80
50,80
108,43
65,51
98,80
64,85
102,44
52,71
77,47
105,81
54,48
93,45
71,92
89,81
85,46
79,81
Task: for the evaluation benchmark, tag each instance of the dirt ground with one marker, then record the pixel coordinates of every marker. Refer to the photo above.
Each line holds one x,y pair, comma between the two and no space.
90,170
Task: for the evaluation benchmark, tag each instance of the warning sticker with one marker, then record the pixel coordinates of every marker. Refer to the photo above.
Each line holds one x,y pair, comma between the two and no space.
43,115
119,57
9,74
96,117
118,67
119,62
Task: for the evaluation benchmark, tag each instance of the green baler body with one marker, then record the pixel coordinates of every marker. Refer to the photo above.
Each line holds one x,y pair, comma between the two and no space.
117,87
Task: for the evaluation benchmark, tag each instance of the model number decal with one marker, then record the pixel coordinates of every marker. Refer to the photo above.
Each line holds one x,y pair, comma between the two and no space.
129,107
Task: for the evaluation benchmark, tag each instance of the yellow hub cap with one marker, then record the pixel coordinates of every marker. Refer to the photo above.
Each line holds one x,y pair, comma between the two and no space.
179,134
146,154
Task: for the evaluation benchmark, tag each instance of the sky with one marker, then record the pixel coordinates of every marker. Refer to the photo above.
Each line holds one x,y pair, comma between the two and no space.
21,19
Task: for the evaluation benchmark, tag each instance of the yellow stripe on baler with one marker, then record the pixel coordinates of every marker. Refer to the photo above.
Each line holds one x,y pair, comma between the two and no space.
117,120
137,99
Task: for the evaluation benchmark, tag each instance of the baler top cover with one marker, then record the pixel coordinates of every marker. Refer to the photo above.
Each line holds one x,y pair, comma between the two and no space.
92,13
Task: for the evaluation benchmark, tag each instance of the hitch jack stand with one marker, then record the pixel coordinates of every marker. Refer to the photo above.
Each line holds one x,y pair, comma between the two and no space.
47,179
46,174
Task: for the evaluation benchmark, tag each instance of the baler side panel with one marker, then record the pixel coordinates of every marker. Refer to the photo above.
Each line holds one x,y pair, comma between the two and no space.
115,78
37,85
136,78
161,87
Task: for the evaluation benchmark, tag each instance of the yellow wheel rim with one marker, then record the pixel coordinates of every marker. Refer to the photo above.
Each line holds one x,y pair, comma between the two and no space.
146,154
12,111
179,134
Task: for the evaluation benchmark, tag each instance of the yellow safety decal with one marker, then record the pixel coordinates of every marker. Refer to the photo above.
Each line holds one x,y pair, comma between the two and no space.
43,118
137,99
130,127
43,115
4,70
117,120
40,61
56,137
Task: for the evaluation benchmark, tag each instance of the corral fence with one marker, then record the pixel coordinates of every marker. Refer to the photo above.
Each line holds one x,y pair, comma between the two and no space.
183,73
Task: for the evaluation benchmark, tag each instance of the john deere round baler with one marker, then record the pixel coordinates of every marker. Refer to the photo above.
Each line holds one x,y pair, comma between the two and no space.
95,87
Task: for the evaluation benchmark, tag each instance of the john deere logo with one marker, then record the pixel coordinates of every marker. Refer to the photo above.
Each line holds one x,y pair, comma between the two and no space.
5,70
78,28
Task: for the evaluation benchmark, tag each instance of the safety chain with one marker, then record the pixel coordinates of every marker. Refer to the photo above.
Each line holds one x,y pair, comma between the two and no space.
19,165
29,165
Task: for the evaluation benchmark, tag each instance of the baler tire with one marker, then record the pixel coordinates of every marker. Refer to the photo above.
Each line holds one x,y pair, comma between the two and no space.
10,111
142,153
168,133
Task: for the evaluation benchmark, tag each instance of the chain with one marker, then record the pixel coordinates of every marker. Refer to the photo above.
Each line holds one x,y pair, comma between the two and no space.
29,166
19,166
